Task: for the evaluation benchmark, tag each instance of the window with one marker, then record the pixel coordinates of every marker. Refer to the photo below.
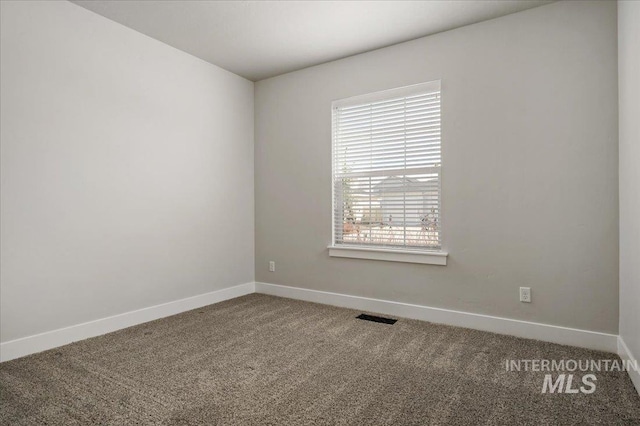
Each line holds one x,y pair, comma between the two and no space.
386,174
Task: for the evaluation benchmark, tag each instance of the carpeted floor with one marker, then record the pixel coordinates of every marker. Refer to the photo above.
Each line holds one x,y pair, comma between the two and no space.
262,360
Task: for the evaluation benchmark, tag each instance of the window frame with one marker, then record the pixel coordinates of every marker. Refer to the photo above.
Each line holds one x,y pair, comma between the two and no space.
387,253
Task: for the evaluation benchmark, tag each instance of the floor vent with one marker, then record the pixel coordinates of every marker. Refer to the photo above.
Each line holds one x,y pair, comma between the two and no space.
376,319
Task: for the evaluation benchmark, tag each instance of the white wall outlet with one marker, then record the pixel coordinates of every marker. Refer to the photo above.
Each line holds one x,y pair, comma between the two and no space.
272,266
525,294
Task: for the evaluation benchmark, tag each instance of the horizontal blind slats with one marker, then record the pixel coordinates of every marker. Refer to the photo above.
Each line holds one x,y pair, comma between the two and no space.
386,162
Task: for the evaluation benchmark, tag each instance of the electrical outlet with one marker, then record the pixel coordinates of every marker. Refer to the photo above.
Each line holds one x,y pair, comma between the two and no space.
525,294
272,266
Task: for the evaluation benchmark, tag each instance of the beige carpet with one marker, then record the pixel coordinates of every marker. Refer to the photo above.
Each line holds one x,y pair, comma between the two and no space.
262,360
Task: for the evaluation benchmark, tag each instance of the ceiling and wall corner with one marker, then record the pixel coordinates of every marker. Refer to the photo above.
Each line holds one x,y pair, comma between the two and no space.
261,39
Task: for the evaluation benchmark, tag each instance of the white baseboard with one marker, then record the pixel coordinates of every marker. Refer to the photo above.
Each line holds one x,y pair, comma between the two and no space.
52,339
530,330
625,353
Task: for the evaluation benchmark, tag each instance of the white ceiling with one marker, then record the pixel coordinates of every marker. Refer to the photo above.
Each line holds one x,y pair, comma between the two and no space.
261,39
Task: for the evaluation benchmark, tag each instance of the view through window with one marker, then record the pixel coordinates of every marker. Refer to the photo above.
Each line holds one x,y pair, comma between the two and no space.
386,169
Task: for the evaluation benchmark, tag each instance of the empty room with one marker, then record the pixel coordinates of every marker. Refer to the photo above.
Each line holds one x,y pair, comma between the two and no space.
320,212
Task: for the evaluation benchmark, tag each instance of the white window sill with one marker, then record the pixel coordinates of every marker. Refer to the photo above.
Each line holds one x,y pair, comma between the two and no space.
391,255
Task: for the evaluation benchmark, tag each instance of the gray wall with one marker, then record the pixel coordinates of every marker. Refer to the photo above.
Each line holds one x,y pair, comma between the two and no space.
127,171
629,84
530,173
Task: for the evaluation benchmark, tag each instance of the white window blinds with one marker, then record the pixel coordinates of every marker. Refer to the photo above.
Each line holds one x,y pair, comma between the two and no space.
386,169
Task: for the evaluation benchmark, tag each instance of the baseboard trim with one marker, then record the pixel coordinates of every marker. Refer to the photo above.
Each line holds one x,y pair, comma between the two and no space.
530,330
52,339
625,353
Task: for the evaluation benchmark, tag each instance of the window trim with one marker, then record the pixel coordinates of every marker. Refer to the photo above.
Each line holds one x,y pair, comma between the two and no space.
384,94
431,257
407,255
